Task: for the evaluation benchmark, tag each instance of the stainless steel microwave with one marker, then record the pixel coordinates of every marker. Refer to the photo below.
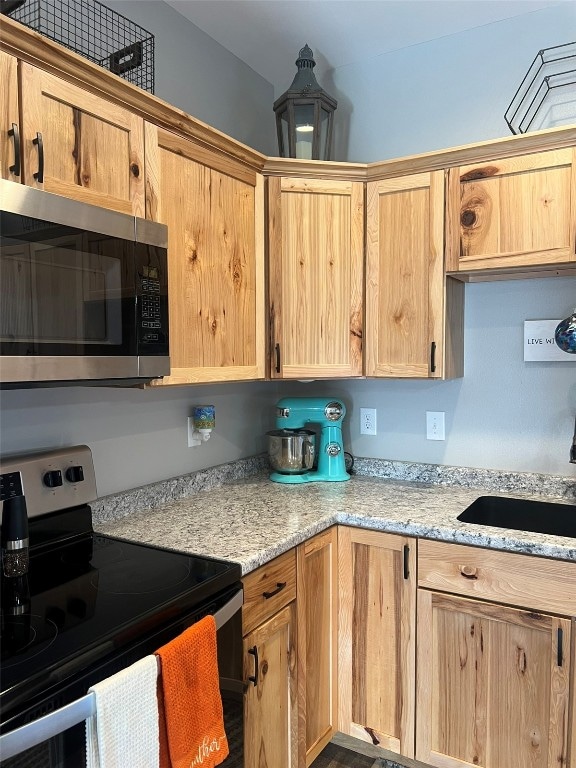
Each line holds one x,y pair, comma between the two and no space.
83,292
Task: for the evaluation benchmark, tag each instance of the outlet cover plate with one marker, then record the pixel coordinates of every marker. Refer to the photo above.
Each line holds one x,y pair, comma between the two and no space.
368,421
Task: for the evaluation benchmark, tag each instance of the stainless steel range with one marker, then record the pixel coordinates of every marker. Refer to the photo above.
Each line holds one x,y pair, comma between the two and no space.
84,606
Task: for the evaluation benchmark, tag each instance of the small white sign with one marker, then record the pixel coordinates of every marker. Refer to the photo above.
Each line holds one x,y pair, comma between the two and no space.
540,344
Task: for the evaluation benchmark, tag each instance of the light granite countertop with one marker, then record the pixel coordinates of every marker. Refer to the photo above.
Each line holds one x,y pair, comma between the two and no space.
252,520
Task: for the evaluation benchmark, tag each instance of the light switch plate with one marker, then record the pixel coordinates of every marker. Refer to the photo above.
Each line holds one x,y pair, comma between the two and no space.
435,425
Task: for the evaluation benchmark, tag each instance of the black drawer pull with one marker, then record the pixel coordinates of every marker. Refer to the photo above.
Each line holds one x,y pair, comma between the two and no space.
560,649
15,132
277,350
254,678
38,141
279,587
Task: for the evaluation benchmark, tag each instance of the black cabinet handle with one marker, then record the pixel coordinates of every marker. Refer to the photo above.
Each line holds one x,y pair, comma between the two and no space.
39,176
254,678
406,561
560,649
277,350
279,587
15,132
433,357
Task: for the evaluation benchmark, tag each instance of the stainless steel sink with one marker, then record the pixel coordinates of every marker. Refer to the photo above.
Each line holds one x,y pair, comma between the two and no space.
522,515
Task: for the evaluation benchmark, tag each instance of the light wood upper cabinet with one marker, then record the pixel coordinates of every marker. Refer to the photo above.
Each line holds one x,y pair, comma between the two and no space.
10,119
493,685
213,206
316,254
377,641
414,315
317,604
514,212
80,145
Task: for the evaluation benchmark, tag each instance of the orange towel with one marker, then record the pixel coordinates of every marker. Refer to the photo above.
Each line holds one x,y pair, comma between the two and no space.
191,700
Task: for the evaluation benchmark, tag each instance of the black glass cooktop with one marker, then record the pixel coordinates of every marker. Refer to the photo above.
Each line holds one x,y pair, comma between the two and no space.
90,597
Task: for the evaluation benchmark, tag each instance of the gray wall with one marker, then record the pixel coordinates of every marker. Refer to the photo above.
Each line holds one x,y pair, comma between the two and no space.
196,74
444,93
504,413
138,436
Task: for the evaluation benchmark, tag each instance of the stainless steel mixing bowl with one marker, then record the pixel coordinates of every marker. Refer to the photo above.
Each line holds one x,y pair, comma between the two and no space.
291,451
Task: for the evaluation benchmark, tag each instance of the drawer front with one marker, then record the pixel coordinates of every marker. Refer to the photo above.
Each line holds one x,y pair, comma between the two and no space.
268,589
504,577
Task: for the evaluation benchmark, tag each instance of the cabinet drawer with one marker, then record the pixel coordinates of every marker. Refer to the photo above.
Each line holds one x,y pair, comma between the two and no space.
504,577
267,589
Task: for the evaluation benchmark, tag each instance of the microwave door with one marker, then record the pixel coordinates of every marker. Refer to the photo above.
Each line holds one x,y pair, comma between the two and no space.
59,294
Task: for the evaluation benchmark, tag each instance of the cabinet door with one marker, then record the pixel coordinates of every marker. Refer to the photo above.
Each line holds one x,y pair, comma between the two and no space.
492,685
377,615
270,707
413,317
316,231
514,212
10,121
213,207
317,643
86,148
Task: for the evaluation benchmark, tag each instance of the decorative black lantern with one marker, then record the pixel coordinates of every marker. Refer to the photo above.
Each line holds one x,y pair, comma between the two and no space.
304,114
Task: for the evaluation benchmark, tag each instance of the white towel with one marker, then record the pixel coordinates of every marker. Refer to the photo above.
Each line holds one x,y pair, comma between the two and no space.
124,730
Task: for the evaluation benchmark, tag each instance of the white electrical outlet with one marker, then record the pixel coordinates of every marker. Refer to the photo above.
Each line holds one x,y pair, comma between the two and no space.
435,425
368,421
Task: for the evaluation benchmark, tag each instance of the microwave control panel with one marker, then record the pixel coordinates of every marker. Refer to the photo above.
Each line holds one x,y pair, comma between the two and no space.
150,310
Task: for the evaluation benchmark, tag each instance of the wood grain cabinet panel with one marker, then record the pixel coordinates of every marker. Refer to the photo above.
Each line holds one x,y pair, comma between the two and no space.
493,685
414,315
271,700
317,600
316,256
213,207
88,148
512,213
268,589
377,642
9,117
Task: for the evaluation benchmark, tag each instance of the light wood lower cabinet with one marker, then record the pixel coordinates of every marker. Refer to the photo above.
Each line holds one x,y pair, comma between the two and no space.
270,668
493,685
271,700
317,590
377,641
495,659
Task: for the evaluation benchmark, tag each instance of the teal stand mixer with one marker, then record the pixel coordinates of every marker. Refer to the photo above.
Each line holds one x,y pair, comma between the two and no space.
291,446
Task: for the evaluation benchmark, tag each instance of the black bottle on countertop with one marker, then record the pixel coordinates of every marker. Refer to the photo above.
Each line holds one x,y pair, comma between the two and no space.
14,538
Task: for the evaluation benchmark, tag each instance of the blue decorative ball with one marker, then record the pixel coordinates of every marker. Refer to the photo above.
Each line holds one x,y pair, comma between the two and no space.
566,334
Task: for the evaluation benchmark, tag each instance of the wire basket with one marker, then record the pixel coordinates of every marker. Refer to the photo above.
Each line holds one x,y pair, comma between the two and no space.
546,96
93,30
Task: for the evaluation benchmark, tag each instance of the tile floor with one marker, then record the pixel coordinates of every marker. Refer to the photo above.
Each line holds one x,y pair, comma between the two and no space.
346,752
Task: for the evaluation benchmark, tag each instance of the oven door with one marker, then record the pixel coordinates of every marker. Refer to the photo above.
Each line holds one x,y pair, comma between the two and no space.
51,734
82,298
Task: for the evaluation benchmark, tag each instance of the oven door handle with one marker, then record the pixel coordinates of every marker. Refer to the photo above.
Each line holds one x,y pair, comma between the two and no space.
50,725
46,727
228,610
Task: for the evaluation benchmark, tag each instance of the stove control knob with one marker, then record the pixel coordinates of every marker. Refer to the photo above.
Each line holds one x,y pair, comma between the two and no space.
75,474
53,479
